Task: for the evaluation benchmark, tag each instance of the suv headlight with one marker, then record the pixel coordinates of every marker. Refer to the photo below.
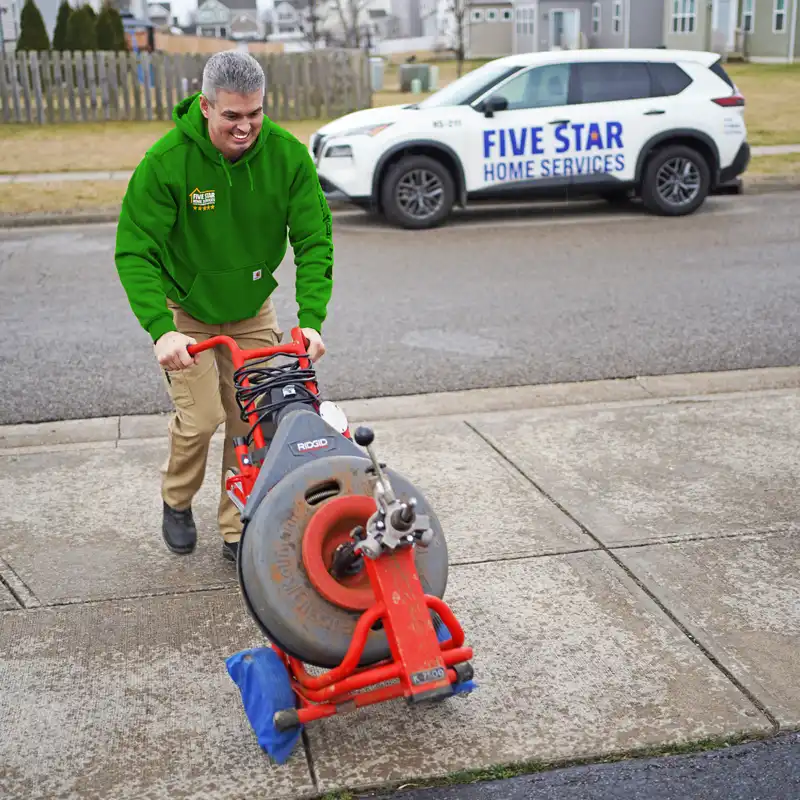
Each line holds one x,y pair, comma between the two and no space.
366,130
338,151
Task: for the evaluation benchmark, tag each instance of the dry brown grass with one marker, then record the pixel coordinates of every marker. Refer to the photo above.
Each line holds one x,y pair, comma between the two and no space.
60,196
772,95
786,165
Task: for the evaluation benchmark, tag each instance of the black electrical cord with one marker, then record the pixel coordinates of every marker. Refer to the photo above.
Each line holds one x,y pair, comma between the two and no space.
263,379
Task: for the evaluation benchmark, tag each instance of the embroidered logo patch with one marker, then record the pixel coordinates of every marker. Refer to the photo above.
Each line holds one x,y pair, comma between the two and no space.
203,200
257,275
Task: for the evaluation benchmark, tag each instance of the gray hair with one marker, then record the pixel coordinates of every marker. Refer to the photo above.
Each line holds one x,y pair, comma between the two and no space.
232,71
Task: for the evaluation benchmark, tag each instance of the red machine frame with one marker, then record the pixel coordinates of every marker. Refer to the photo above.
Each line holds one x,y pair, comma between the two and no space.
424,667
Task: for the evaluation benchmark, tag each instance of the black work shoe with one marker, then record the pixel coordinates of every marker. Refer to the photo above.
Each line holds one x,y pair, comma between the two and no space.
179,531
230,550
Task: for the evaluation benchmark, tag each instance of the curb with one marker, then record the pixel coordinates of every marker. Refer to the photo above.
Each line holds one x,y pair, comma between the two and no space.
686,387
769,184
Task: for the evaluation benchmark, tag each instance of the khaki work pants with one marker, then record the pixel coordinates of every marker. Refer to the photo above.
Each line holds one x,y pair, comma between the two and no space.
204,397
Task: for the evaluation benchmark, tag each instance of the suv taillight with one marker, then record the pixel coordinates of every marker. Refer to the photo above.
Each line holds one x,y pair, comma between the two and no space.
731,101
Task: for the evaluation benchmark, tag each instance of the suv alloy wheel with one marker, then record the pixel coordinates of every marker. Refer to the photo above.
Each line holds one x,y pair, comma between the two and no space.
417,192
676,181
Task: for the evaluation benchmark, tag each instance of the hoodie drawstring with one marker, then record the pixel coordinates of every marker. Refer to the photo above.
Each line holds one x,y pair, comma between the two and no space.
228,172
225,169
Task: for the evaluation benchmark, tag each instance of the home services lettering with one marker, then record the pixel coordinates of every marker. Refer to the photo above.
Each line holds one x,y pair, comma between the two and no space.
508,153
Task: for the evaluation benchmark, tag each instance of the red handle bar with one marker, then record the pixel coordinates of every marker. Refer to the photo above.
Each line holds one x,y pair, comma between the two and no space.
297,347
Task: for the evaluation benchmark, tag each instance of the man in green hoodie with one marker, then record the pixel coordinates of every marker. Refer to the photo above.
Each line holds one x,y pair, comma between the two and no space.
204,224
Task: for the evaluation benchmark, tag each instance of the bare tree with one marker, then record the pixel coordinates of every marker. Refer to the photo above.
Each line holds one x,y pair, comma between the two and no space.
311,23
349,12
458,8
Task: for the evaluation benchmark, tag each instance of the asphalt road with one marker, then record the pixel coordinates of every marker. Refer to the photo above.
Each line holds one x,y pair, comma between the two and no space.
760,771
498,298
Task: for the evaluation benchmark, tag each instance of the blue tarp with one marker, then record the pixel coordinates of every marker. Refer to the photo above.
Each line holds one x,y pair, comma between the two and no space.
265,688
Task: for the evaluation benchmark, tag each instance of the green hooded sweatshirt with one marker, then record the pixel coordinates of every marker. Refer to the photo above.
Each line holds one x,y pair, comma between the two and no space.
208,234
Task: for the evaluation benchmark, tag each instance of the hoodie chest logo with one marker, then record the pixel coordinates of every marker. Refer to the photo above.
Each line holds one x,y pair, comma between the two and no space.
203,200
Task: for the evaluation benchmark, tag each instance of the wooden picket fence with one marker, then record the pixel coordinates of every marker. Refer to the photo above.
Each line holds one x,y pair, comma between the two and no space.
53,86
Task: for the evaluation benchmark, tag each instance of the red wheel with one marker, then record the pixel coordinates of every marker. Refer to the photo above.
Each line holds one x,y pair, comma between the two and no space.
327,530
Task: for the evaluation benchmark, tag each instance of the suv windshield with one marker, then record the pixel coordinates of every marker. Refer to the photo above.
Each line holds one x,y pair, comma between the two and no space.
466,88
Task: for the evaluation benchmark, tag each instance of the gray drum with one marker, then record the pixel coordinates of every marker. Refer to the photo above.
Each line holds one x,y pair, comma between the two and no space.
279,595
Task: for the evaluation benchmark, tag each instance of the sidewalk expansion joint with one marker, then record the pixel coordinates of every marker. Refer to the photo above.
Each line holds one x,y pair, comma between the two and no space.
310,760
778,530
475,562
131,597
635,578
19,590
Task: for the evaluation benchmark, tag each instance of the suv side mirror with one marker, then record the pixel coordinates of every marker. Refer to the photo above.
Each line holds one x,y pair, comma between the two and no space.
495,103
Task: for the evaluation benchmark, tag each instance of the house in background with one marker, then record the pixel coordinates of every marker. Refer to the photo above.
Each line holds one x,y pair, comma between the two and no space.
211,19
245,21
759,30
489,29
529,26
770,31
161,15
287,19
626,23
229,19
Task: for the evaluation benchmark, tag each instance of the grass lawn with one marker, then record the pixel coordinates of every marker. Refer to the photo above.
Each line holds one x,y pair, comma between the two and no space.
60,196
788,165
108,146
772,95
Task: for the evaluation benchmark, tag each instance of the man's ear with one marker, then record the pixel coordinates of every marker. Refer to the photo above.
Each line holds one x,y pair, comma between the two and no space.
204,105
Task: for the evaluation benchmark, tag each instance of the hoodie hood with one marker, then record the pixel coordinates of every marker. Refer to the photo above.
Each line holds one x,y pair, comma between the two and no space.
189,119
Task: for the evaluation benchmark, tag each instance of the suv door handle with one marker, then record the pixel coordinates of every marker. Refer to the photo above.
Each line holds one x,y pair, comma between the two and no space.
654,112
559,122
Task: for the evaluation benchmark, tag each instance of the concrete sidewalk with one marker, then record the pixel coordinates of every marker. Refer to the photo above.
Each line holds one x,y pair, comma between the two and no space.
623,559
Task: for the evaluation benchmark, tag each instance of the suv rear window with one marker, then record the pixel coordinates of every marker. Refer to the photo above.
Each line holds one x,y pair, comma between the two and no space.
719,71
668,79
606,82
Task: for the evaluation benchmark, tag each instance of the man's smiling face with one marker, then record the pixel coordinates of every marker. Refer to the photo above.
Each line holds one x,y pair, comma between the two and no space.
234,121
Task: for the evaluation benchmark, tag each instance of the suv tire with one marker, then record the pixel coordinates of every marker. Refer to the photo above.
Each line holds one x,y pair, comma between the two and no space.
412,174
676,181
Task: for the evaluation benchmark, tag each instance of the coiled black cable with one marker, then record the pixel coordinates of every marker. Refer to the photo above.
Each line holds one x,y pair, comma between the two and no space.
263,378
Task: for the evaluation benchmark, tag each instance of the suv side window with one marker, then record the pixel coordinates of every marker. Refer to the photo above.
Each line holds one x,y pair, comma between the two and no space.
668,79
539,87
607,82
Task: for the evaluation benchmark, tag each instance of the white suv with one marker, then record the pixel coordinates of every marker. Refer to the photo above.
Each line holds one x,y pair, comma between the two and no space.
665,125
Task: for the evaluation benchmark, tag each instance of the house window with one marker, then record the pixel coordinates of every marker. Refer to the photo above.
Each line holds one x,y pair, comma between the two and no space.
525,21
491,15
778,16
507,15
684,16
747,16
616,16
476,16
596,18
